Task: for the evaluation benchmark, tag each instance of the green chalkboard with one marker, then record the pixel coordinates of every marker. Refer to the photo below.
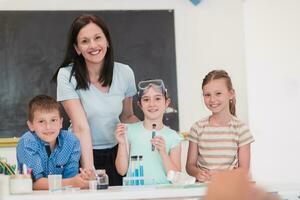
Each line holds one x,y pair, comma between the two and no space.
32,46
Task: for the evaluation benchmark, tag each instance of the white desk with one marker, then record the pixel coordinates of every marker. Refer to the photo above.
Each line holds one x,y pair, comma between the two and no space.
118,192
287,191
290,191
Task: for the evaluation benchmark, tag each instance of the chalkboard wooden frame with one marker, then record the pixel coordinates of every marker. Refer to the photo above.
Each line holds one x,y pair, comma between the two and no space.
9,142
34,41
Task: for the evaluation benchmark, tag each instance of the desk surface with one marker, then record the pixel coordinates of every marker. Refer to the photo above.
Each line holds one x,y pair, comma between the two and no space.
286,191
119,192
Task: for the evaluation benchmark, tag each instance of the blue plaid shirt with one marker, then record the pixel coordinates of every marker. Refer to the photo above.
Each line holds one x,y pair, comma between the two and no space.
64,159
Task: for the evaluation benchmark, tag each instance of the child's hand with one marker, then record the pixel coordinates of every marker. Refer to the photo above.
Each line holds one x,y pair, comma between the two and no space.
120,133
159,143
203,175
87,174
78,181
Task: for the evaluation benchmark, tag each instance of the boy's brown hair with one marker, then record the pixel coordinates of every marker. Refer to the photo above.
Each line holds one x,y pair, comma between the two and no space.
42,103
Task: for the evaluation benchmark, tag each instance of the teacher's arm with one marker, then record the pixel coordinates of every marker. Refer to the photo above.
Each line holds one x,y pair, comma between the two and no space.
127,115
81,129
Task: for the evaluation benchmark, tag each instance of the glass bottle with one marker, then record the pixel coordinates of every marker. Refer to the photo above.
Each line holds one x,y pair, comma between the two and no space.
102,179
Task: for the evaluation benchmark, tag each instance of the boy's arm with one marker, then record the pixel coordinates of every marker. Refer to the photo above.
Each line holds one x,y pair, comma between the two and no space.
76,181
41,184
28,153
72,166
191,164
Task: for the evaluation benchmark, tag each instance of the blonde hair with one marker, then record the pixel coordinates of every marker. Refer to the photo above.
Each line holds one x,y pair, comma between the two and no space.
221,74
42,102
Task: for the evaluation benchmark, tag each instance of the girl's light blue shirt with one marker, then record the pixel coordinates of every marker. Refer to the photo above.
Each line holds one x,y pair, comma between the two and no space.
102,109
139,140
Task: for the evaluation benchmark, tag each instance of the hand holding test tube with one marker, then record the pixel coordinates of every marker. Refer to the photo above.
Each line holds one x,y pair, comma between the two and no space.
153,135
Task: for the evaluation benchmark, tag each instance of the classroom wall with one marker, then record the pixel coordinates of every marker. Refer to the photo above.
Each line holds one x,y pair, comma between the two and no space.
256,41
209,35
273,67
9,153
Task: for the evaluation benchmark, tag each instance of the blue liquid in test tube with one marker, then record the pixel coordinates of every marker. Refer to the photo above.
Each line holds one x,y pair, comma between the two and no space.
141,169
134,169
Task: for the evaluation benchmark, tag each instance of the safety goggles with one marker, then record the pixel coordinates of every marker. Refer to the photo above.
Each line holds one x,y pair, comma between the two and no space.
155,83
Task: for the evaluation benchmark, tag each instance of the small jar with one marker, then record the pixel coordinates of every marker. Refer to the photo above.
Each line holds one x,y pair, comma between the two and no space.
102,179
20,184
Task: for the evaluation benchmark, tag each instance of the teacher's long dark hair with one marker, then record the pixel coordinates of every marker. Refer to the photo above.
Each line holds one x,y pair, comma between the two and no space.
79,66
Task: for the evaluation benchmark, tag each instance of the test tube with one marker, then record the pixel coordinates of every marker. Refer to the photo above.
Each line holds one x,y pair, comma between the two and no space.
136,169
153,135
132,170
141,167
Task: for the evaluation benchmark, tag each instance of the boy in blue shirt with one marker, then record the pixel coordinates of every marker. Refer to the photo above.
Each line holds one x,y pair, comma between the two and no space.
47,149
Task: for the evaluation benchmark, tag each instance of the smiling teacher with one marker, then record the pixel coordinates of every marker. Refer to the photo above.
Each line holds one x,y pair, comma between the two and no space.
96,93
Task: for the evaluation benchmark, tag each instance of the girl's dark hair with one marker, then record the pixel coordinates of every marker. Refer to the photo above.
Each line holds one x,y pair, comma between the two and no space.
79,65
219,74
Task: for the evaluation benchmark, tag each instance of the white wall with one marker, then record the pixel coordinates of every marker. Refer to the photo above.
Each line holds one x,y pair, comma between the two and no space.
272,30
9,153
